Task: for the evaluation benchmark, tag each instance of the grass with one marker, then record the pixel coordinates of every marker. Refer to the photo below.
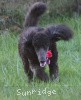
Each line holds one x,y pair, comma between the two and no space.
13,78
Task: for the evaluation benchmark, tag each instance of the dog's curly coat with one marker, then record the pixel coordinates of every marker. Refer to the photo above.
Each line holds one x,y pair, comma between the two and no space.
36,41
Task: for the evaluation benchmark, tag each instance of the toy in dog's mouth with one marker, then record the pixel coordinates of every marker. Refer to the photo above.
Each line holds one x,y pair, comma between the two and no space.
48,56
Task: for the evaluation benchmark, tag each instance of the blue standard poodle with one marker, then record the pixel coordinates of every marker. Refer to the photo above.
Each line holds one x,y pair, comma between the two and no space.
36,41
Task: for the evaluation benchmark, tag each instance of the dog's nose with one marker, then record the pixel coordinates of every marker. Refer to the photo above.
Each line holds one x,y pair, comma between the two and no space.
42,63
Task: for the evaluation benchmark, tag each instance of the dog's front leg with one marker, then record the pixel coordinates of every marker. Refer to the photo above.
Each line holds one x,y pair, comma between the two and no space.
53,67
42,75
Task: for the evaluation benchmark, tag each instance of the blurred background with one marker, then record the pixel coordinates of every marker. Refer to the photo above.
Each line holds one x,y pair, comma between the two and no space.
12,12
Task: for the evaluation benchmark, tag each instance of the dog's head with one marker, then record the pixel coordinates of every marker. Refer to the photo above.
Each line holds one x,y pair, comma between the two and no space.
41,44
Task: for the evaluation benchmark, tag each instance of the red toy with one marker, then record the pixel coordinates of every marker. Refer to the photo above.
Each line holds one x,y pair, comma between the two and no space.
49,54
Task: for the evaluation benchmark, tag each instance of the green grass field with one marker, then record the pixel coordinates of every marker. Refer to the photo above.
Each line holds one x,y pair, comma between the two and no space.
13,81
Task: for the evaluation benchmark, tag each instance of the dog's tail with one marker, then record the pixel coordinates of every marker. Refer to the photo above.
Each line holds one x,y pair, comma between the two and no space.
35,11
60,32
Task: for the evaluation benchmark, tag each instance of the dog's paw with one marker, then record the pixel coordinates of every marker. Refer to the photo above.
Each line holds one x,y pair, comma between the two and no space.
52,78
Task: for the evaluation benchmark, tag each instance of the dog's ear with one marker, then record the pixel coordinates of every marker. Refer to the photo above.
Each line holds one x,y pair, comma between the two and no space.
59,32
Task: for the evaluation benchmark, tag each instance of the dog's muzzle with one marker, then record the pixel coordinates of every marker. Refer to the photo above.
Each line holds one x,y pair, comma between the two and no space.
44,63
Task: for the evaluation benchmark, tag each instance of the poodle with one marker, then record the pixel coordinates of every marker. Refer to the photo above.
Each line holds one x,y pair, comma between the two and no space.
35,42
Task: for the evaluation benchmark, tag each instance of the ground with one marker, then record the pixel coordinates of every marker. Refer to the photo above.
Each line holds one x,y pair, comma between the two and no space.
13,81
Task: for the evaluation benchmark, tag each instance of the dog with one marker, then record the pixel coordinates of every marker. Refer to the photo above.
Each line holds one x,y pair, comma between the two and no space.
36,41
